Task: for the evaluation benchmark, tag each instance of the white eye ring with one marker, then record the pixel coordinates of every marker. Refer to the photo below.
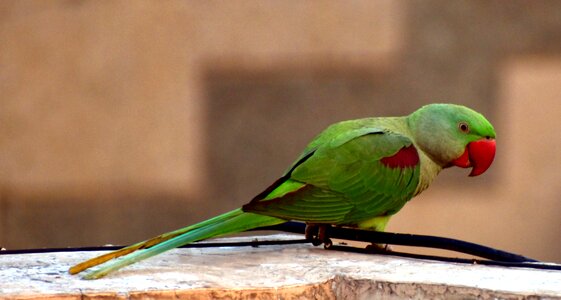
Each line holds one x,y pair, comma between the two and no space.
464,127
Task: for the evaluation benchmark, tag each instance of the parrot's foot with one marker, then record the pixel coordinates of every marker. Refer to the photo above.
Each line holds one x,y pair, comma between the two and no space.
377,248
317,234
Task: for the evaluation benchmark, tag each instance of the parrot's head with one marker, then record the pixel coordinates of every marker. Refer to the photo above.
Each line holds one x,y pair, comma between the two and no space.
454,135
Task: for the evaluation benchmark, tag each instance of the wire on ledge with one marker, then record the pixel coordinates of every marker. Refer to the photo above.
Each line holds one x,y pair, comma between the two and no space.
491,256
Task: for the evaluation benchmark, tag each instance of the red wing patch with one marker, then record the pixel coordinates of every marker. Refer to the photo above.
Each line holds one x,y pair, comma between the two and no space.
406,157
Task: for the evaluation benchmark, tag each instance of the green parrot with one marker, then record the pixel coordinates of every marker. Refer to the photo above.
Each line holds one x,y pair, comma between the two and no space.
355,173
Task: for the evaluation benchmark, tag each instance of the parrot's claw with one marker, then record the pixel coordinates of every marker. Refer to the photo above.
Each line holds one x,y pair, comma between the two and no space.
379,248
317,235
327,243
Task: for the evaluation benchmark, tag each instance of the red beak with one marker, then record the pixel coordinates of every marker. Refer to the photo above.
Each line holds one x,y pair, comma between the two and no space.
479,155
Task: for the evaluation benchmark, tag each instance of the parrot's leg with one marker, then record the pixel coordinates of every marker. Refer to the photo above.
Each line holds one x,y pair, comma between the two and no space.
310,234
317,234
377,224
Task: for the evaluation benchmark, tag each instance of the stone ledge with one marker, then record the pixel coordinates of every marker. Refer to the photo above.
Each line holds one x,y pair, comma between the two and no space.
271,272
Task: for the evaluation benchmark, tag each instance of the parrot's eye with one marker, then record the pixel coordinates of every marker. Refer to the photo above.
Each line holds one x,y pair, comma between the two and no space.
464,127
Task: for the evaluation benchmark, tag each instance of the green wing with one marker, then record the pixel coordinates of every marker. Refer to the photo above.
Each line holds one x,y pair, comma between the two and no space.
342,180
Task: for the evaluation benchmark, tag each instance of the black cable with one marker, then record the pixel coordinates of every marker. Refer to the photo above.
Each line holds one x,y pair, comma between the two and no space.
253,243
531,265
414,240
493,256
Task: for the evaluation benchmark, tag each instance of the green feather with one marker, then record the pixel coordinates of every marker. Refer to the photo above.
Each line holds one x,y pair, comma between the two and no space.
345,182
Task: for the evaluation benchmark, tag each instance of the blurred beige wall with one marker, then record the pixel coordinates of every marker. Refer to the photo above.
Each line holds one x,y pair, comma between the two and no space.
120,120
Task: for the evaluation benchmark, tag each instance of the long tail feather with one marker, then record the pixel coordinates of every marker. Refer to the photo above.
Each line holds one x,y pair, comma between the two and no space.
231,222
124,251
147,244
